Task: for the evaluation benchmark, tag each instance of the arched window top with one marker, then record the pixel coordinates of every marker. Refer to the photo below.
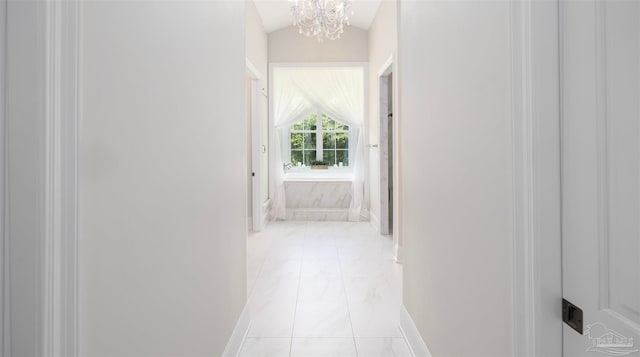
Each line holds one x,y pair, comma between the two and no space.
329,124
310,122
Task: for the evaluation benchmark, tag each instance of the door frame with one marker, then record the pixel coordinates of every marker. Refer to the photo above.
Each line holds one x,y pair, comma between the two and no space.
390,66
536,128
62,202
4,286
61,107
61,74
257,221
383,107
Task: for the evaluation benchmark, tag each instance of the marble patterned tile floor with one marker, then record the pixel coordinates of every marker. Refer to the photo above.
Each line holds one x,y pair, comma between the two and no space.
323,289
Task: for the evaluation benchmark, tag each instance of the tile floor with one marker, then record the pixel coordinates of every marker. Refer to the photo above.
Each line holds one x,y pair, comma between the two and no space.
323,289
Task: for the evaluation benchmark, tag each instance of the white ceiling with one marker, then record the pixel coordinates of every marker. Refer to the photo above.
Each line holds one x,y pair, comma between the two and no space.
276,14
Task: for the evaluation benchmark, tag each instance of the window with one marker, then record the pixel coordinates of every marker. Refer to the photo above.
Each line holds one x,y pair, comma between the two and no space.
319,137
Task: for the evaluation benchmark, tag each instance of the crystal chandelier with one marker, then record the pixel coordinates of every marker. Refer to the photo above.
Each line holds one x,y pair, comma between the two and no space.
321,18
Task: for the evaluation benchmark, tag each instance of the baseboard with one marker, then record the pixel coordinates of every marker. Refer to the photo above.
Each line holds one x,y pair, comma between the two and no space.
411,335
239,333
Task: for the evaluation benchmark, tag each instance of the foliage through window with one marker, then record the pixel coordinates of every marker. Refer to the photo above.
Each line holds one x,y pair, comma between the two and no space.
319,137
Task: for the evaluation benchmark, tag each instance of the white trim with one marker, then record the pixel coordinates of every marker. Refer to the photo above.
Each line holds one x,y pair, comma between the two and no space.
397,135
234,345
4,252
536,327
274,65
256,223
53,235
383,165
523,249
271,138
266,206
387,67
61,178
603,158
391,66
397,253
374,220
412,335
364,136
252,70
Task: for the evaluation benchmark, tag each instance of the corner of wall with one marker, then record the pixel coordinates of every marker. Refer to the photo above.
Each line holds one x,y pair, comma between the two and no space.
374,220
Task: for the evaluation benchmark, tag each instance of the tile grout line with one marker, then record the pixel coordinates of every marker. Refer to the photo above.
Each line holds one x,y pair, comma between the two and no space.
305,234
259,274
295,309
250,295
344,289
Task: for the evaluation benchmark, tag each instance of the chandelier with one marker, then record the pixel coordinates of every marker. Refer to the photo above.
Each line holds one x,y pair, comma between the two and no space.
321,18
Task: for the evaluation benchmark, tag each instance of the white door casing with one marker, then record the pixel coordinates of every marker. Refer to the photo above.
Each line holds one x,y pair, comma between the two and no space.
537,286
601,174
385,85
39,143
257,201
4,323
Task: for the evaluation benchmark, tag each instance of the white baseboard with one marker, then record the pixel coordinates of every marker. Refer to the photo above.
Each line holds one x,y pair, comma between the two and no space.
411,335
234,345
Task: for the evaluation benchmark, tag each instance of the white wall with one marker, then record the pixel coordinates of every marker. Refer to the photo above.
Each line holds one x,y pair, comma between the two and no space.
162,179
257,53
287,45
25,165
382,45
457,174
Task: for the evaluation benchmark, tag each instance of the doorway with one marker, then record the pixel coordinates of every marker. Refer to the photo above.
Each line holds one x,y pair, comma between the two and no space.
255,151
386,148
250,194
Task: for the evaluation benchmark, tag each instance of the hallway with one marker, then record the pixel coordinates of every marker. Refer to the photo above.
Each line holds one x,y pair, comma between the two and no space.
323,289
140,139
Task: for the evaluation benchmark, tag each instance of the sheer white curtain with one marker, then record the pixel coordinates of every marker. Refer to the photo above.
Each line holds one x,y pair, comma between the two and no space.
336,91
339,92
288,106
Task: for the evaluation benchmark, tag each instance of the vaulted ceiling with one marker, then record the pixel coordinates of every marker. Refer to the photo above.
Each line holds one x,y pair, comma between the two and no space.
276,14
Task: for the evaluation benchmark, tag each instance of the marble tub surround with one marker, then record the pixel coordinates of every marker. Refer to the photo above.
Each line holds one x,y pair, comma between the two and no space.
318,194
318,200
323,289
